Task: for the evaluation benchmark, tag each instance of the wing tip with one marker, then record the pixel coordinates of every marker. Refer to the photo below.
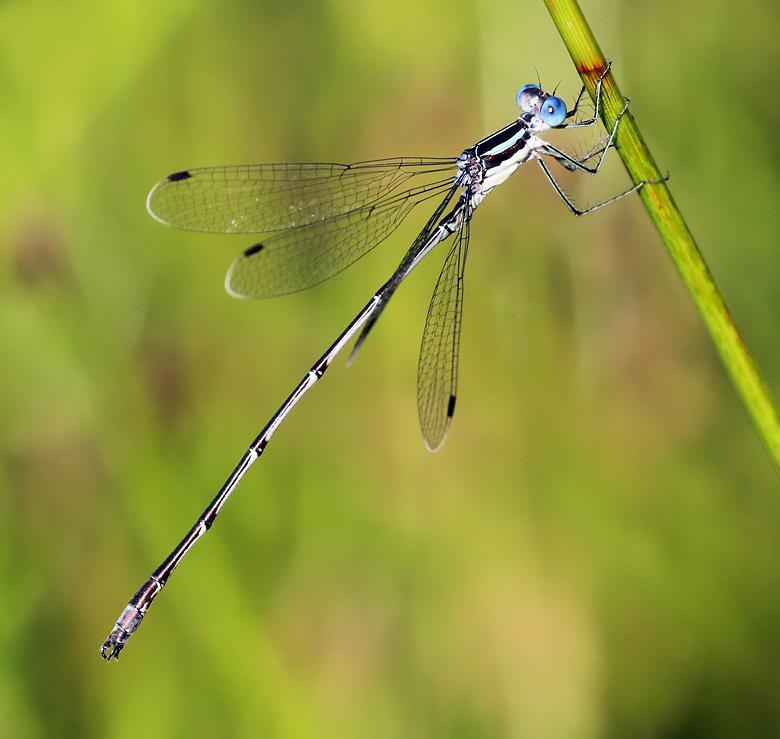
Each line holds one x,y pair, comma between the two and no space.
149,207
179,176
229,280
434,443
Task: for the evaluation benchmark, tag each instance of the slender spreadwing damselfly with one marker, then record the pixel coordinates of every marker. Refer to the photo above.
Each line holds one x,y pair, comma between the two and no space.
323,217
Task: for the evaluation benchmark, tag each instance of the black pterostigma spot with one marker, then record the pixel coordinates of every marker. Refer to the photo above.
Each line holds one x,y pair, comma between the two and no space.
253,250
451,406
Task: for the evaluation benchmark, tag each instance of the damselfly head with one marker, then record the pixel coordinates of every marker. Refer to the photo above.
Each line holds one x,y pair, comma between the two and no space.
549,108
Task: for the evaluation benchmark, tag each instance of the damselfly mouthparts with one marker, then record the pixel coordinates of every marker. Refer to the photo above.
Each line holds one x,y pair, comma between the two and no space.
322,218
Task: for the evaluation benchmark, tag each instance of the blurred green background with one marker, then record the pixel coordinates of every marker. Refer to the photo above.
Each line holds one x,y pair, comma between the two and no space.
594,552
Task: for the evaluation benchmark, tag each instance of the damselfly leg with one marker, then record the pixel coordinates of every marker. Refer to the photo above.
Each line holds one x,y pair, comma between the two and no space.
596,103
574,164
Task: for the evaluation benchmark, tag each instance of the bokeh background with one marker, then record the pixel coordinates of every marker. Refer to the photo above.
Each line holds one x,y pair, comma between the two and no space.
595,551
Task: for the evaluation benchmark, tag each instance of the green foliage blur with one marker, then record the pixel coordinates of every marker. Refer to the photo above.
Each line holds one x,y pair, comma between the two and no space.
594,553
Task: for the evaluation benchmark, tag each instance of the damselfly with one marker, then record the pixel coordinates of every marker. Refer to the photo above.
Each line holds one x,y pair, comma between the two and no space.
323,217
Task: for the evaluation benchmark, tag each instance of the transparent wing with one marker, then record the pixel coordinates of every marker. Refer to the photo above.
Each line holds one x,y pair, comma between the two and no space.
307,255
260,198
420,245
437,371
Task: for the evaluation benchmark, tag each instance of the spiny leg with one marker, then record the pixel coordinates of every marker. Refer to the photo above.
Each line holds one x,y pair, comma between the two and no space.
573,111
600,147
579,212
562,156
596,104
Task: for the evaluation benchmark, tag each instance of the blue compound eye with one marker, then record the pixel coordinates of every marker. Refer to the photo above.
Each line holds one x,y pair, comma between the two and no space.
553,111
532,89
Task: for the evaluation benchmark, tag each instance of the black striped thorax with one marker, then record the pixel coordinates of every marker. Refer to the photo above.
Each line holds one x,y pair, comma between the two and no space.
493,159
504,144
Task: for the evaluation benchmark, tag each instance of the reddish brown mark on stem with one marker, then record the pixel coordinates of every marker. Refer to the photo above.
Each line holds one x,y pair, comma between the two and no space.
595,68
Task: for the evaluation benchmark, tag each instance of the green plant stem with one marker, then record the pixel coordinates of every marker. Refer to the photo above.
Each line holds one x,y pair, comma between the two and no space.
674,232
